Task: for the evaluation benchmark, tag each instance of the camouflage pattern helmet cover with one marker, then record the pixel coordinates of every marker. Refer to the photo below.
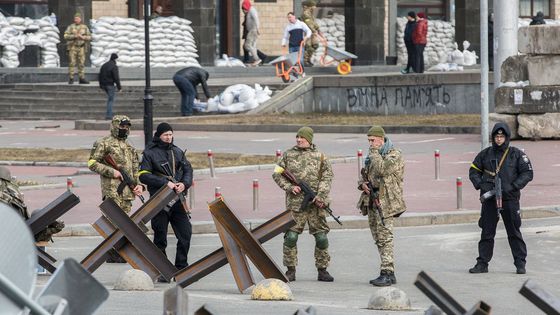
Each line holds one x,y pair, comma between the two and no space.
119,120
5,173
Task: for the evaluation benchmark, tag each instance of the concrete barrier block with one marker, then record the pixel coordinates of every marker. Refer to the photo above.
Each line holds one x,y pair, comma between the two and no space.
544,70
545,126
539,40
510,120
527,100
514,69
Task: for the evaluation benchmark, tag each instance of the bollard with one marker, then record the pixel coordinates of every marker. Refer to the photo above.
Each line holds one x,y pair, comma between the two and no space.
69,183
459,193
211,163
255,194
278,153
217,193
191,195
360,158
436,158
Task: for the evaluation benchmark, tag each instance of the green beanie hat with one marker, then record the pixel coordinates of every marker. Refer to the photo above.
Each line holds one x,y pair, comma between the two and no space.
78,14
306,133
376,131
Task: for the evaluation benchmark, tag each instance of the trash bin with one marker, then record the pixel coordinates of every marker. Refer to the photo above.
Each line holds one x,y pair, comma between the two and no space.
30,56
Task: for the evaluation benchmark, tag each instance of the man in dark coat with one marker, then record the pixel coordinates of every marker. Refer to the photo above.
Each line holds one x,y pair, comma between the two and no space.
186,81
153,173
108,78
513,167
408,30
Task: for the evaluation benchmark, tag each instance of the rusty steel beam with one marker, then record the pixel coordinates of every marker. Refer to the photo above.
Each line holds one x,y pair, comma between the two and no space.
438,295
236,258
138,239
218,259
480,308
46,260
116,239
545,301
247,241
40,219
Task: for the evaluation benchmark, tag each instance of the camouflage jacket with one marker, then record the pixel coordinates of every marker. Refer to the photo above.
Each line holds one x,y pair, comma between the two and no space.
125,156
12,196
70,35
308,165
308,18
387,174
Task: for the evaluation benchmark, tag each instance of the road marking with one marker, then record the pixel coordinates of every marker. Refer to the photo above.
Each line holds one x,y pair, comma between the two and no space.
460,162
425,141
412,161
556,165
264,140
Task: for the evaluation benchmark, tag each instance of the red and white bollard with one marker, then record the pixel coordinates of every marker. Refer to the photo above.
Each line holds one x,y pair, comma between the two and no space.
255,194
69,183
191,195
278,153
437,163
211,163
217,193
360,162
459,193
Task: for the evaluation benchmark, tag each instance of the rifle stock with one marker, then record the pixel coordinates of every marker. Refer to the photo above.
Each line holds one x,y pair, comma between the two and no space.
127,179
308,192
181,195
373,196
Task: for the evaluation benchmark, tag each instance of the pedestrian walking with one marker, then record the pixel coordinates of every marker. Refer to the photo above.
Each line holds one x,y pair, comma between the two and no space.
382,198
77,36
186,81
308,164
295,33
420,39
408,31
116,146
160,157
108,78
500,165
251,27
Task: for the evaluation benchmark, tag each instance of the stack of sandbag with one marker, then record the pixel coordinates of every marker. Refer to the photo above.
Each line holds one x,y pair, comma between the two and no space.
441,37
18,32
227,61
236,98
171,42
334,31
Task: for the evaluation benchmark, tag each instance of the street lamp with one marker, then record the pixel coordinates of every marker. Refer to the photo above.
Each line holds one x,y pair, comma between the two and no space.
148,98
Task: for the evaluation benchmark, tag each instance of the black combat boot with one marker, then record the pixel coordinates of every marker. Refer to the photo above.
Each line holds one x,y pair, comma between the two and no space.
324,275
84,81
521,270
291,273
71,81
391,275
479,268
384,280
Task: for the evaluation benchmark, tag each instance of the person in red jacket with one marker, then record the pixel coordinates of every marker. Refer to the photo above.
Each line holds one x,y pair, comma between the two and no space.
420,39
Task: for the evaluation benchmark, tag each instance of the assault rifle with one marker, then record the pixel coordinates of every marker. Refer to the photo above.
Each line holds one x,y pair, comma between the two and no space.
169,175
373,196
308,193
127,179
496,192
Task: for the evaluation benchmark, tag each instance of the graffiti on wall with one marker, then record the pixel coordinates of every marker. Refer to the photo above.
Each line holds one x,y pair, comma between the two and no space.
405,96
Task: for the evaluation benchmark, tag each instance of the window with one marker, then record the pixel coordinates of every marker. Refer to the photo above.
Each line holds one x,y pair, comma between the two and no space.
434,9
24,8
529,8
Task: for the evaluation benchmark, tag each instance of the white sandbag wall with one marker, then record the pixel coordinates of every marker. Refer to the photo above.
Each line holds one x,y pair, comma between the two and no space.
40,32
441,41
171,42
334,31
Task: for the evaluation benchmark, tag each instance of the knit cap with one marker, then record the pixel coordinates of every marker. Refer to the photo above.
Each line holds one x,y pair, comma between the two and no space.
376,131
162,128
306,133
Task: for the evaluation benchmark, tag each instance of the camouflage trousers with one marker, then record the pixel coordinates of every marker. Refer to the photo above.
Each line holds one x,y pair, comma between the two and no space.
317,221
383,237
310,46
77,57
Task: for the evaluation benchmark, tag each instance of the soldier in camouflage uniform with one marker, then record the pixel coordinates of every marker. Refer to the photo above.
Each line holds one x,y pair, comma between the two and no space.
308,18
126,157
11,195
307,163
384,170
77,36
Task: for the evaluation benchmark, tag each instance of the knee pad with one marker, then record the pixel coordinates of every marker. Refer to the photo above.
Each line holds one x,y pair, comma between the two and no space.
290,239
321,240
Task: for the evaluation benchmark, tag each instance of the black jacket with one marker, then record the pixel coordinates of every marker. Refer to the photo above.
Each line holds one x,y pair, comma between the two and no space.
151,171
515,173
109,75
408,30
196,76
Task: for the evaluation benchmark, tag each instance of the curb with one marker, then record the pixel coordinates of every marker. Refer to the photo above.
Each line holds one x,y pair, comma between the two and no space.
351,222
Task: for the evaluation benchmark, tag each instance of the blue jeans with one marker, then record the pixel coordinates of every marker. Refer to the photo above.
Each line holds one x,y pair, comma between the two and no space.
188,93
296,49
110,90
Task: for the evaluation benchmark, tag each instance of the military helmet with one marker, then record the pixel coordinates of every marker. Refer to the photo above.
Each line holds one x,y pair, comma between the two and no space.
5,173
309,3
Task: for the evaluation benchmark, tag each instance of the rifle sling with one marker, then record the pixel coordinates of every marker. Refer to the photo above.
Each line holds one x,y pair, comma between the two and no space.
499,165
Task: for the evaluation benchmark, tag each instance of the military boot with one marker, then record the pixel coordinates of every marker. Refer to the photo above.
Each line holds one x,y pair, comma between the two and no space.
391,275
384,280
83,81
324,275
291,273
71,81
479,268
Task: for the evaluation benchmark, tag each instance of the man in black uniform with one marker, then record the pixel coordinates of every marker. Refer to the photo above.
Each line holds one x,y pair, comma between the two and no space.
153,174
186,81
514,169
